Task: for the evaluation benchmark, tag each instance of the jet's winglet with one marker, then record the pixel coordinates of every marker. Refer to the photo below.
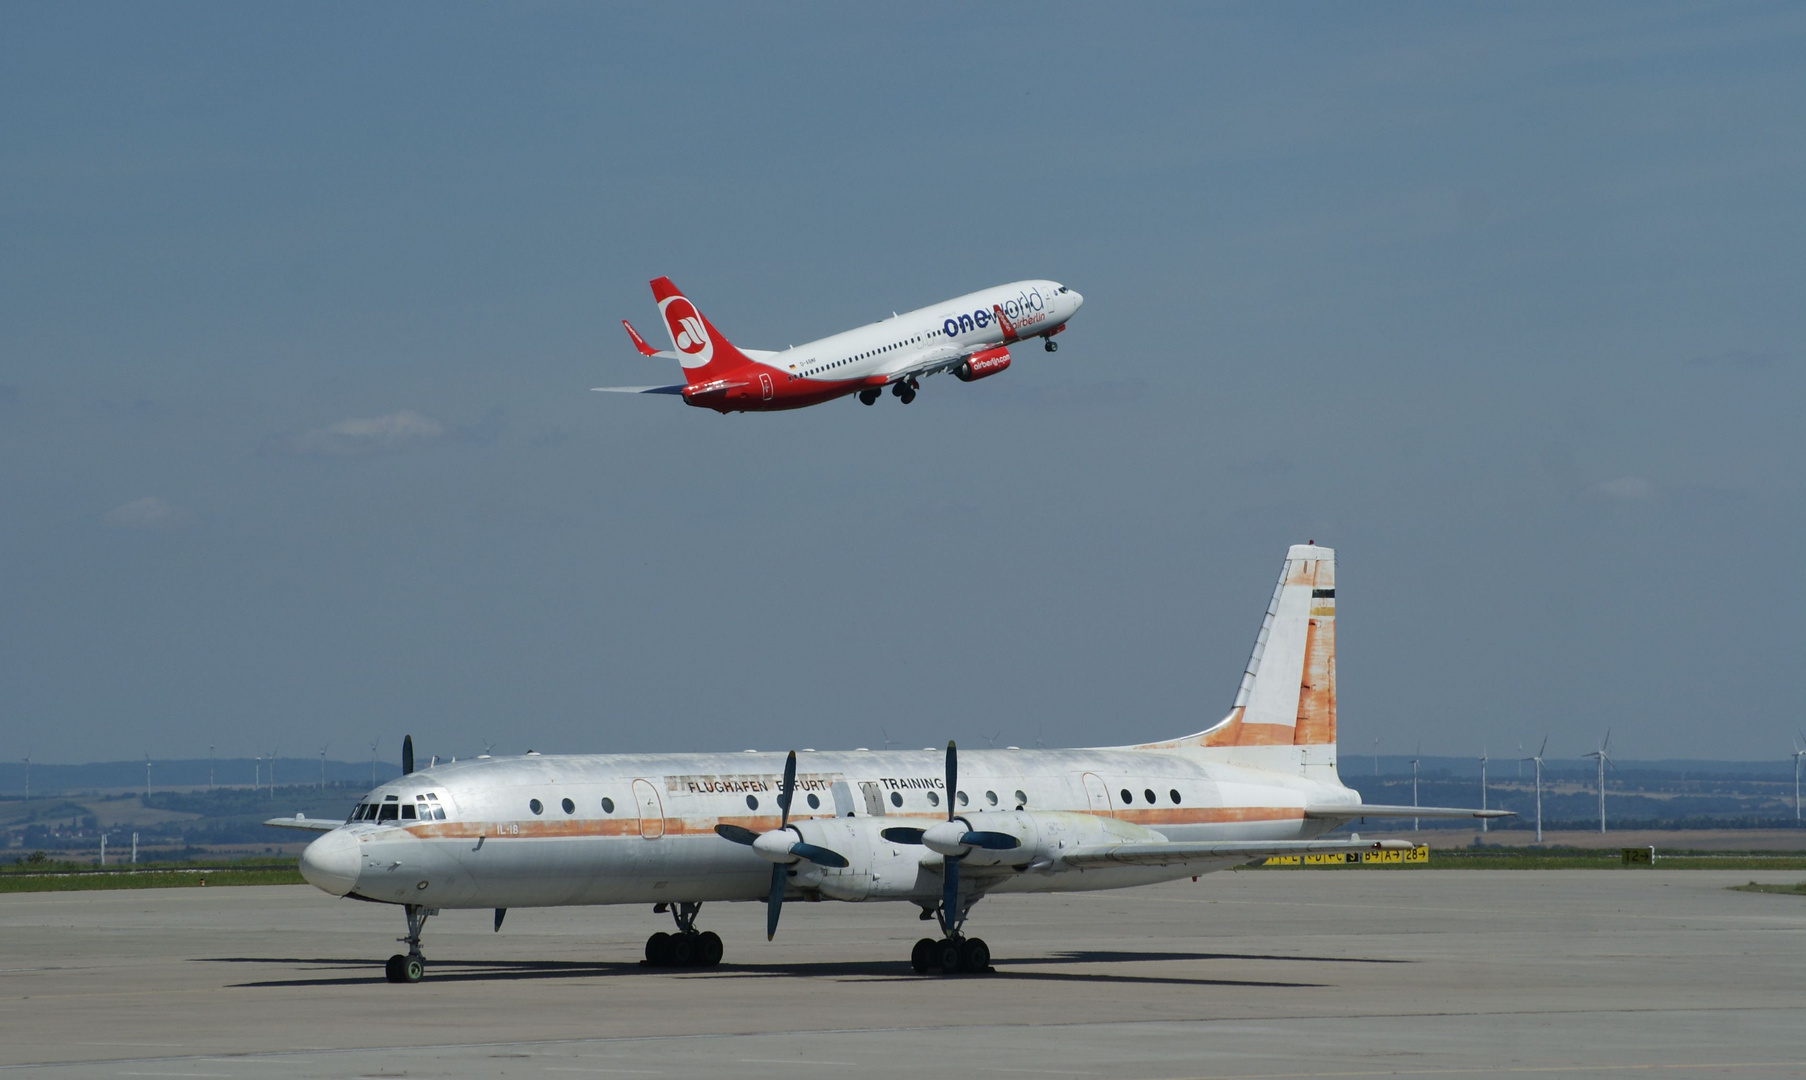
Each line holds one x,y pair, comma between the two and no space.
674,388
647,350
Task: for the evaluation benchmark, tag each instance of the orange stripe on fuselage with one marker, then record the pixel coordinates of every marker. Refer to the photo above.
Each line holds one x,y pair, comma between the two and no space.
593,827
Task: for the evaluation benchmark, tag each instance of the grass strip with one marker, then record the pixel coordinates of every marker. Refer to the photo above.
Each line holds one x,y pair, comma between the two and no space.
1797,889
148,879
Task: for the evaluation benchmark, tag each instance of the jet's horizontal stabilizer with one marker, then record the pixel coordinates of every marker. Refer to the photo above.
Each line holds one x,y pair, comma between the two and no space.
674,388
304,823
1346,813
1181,854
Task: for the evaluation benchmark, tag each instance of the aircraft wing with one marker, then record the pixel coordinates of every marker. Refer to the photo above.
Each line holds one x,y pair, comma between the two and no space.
674,388
1348,813
304,823
1177,854
933,363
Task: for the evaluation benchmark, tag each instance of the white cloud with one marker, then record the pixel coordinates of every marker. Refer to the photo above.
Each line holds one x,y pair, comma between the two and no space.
1626,488
147,513
364,435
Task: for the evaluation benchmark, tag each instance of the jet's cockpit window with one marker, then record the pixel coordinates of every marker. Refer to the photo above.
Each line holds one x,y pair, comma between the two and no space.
430,810
424,807
390,811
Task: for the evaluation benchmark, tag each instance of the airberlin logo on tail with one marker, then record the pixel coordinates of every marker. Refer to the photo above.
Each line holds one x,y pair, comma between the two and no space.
687,331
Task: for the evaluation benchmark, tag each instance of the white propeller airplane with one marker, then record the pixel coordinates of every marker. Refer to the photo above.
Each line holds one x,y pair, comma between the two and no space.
968,335
679,830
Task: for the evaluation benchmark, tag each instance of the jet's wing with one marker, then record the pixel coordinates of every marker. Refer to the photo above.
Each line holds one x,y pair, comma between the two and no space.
1179,854
304,823
1360,810
931,364
674,388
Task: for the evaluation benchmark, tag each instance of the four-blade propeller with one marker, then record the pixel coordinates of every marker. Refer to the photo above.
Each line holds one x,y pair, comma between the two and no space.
954,840
783,846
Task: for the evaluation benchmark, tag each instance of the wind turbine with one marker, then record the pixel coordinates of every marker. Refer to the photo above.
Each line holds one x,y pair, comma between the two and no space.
28,779
373,762
147,764
1376,755
1482,786
272,776
1538,758
209,766
1603,759
323,767
1414,825
1798,753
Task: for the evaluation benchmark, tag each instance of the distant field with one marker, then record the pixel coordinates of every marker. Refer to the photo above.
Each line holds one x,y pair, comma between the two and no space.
1798,889
66,877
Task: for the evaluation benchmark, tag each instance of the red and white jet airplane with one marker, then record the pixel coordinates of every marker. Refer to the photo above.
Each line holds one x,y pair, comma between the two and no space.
968,335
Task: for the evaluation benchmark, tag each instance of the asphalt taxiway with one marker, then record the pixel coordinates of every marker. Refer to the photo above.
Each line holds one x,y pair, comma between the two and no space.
1279,973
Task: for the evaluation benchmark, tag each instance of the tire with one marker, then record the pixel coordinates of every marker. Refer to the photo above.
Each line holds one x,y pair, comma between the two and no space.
393,969
658,949
412,969
922,956
1052,345
975,956
680,950
708,949
868,397
908,397
946,956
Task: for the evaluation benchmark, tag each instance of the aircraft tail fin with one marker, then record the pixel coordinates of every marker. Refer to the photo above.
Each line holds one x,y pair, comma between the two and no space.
1287,697
705,354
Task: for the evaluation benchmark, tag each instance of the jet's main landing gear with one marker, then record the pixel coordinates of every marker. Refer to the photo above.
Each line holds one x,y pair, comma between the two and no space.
686,948
905,390
410,967
869,396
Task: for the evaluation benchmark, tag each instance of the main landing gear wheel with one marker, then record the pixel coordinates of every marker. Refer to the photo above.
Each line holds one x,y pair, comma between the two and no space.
404,969
907,396
1051,345
686,948
869,397
921,957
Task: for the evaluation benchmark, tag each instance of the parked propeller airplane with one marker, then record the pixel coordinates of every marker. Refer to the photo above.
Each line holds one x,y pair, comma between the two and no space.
968,335
936,831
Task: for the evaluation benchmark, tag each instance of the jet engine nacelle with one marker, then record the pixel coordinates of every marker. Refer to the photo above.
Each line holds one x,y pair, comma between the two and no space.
983,364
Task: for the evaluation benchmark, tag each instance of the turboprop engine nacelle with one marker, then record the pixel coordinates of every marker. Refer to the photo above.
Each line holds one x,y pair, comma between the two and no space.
1042,836
983,364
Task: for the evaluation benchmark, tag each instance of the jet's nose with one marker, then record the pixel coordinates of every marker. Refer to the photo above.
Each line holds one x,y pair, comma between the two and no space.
331,863
1078,300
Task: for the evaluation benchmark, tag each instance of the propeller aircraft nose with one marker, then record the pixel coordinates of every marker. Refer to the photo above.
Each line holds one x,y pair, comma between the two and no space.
332,862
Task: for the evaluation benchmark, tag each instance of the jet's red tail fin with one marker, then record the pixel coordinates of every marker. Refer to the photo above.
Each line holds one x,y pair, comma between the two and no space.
706,355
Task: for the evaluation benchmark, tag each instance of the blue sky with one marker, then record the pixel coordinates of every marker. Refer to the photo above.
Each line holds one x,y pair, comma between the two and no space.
299,309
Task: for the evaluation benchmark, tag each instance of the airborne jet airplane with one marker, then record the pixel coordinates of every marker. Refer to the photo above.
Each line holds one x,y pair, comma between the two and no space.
941,833
968,335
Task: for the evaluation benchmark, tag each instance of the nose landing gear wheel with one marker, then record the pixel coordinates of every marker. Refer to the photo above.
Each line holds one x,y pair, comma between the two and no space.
404,969
1051,345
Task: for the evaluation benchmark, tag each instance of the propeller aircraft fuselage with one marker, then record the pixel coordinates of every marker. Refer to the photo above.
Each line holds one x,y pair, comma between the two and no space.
937,829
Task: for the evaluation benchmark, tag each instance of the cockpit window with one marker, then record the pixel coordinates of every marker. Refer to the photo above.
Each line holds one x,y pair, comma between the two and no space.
390,812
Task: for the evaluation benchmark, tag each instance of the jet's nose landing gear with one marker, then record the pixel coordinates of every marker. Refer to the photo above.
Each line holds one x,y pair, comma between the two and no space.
686,948
409,968
1051,345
